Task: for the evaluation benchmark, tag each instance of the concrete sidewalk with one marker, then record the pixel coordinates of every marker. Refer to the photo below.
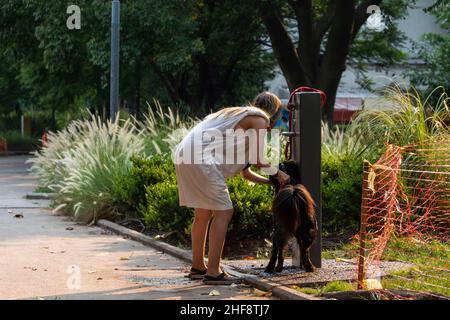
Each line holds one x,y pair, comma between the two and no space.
46,256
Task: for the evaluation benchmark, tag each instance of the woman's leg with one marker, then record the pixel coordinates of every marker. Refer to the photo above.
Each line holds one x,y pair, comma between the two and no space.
217,234
198,235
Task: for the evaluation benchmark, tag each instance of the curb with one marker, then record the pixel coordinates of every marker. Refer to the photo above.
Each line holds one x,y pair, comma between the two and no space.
277,289
40,196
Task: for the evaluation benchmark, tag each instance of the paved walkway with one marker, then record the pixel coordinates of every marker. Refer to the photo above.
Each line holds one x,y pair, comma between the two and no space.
46,256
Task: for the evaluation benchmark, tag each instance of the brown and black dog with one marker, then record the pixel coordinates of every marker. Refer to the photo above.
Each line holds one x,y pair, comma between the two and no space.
293,216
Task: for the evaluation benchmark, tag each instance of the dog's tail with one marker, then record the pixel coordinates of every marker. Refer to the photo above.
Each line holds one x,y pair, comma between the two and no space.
294,205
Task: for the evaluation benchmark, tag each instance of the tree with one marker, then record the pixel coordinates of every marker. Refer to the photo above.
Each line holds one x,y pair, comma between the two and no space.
314,41
46,60
201,53
211,54
434,49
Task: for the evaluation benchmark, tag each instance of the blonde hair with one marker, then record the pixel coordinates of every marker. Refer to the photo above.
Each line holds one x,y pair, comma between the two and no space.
269,103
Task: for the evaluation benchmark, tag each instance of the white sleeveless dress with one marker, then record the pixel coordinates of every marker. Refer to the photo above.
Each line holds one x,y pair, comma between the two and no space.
201,175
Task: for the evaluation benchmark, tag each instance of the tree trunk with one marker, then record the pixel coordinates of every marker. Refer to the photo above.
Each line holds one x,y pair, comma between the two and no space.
283,48
137,103
53,120
305,65
18,111
335,56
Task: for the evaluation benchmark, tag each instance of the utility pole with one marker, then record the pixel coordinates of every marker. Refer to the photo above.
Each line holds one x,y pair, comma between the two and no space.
115,47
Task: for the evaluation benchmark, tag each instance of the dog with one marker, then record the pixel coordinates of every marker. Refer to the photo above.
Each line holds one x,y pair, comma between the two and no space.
293,216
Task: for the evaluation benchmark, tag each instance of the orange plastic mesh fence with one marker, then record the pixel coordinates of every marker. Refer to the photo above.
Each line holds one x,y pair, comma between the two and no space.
405,193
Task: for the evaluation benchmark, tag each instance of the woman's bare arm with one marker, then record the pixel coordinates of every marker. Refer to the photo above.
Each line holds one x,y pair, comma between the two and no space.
260,126
249,175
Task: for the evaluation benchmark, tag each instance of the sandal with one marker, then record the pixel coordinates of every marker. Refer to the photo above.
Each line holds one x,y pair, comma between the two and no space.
221,279
196,274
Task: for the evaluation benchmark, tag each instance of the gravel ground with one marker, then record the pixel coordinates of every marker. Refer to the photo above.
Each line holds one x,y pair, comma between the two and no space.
331,270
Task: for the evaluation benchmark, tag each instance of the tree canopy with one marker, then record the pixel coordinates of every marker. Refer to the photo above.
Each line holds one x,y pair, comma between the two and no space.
313,41
201,54
434,49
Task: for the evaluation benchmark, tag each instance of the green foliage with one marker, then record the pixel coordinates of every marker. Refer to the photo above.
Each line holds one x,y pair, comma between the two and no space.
150,188
341,193
252,209
83,162
414,120
131,194
198,53
333,286
383,48
16,142
164,128
429,259
343,152
42,190
434,49
313,41
163,212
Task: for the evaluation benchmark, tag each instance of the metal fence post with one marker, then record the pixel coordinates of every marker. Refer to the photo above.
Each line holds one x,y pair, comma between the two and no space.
363,227
307,153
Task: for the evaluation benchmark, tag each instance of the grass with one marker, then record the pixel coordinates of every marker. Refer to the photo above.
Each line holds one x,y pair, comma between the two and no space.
430,273
333,286
83,162
414,121
163,128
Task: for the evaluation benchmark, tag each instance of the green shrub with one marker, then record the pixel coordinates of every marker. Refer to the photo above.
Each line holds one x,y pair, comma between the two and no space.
150,190
341,193
10,122
130,190
163,211
251,220
16,142
343,152
252,209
